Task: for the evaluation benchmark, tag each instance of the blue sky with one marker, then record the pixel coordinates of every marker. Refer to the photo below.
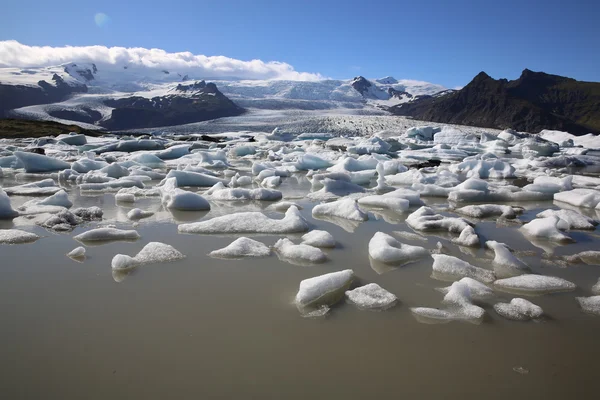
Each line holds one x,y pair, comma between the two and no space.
446,42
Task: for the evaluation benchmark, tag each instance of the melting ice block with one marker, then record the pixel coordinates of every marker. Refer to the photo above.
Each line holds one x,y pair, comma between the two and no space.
78,252
449,268
16,236
318,238
345,208
152,253
108,234
574,219
506,264
137,213
287,250
242,247
519,310
589,305
371,297
530,284
323,290
33,162
547,228
220,192
478,290
386,249
249,222
390,203
588,198
6,210
425,219
489,210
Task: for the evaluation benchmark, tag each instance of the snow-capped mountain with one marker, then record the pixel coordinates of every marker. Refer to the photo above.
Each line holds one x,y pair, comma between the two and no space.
94,89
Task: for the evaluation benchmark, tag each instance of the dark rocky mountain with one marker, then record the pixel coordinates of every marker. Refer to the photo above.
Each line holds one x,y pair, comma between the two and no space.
203,101
16,96
531,103
361,84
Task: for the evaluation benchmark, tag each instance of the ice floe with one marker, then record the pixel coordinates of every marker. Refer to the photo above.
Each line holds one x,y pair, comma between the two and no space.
519,310
345,208
137,213
318,238
249,222
590,305
6,210
530,284
152,253
384,248
242,247
298,253
478,290
16,236
107,234
506,264
323,291
547,228
78,252
449,268
371,297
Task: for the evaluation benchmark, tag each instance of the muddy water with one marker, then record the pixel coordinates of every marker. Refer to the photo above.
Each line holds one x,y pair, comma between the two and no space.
227,329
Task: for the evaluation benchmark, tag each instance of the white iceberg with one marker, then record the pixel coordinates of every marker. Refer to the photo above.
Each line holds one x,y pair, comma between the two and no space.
519,310
371,297
530,284
450,268
478,290
249,222
345,208
386,202
16,236
6,210
574,219
242,247
323,290
78,252
386,249
136,214
547,228
318,238
33,162
107,234
506,264
590,305
152,253
302,253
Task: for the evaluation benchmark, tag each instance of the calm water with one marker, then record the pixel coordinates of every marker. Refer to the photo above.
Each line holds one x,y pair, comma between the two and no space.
227,329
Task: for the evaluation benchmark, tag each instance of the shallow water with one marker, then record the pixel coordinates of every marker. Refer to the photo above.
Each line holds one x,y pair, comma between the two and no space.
212,328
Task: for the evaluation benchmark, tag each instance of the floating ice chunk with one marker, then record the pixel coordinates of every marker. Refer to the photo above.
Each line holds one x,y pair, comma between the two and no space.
318,238
519,310
107,234
249,222
112,185
147,172
425,219
596,288
405,178
242,247
282,206
350,164
241,151
413,197
467,237
589,198
429,315
271,181
238,180
333,189
547,228
152,253
590,305
137,213
386,249
478,290
309,161
16,236
174,198
287,250
272,172
485,169
115,170
530,284
86,164
396,204
40,163
591,257
141,192
450,268
174,152
489,210
125,197
73,139
187,178
506,264
88,213
370,145
574,219
220,192
44,187
550,184
78,252
459,303
323,290
147,159
425,133
6,210
345,208
371,297
59,199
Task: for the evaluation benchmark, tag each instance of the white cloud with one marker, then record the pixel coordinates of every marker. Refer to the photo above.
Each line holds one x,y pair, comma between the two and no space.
15,54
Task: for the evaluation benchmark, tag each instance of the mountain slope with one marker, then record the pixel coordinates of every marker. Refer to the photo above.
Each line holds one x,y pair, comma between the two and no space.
531,103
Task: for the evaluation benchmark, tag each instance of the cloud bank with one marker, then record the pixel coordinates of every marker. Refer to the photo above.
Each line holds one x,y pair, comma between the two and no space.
15,54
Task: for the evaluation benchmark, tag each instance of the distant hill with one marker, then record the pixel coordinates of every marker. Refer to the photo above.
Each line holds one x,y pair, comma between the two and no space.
21,128
531,103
